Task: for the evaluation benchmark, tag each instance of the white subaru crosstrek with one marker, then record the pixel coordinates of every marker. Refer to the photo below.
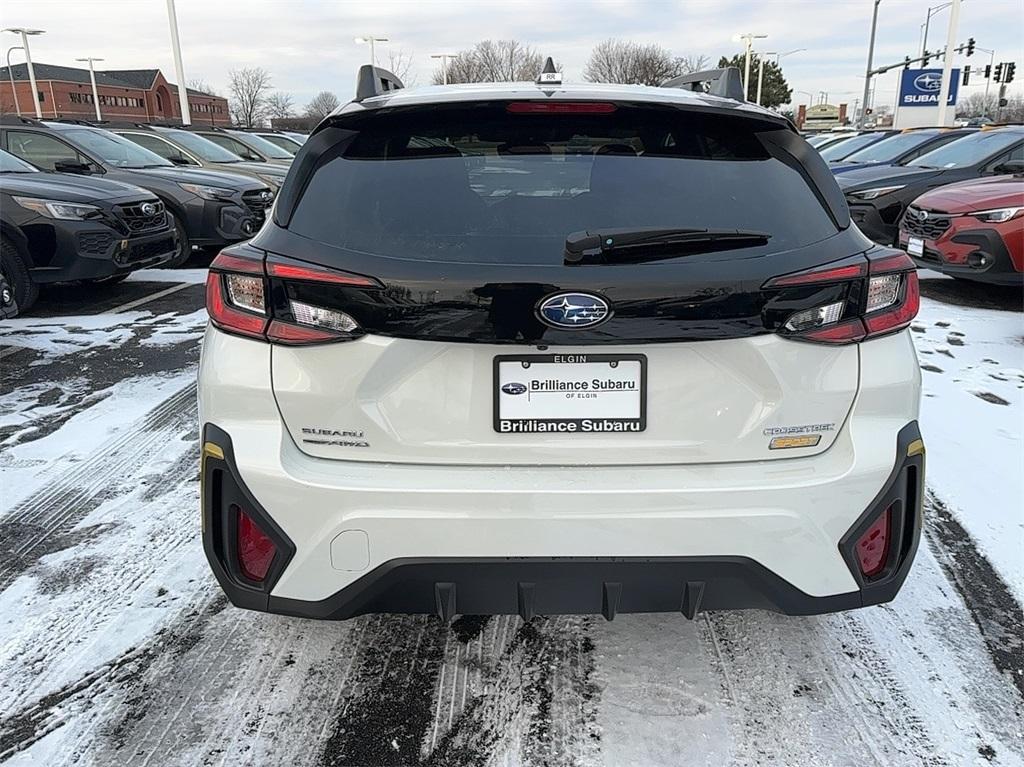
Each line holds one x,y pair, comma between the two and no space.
539,348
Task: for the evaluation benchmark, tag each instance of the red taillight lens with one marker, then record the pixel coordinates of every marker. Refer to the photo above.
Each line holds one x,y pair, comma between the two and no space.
255,549
873,547
890,299
560,107
238,291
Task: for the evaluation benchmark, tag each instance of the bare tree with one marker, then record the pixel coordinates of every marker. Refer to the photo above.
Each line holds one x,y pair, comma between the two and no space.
279,104
400,64
322,105
493,61
978,105
199,84
623,61
249,90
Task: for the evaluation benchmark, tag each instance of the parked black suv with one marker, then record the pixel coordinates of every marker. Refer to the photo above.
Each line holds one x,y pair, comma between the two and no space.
879,195
207,208
57,227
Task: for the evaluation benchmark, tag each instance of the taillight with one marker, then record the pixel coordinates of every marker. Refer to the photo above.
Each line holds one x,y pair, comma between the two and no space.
866,297
255,548
872,548
241,298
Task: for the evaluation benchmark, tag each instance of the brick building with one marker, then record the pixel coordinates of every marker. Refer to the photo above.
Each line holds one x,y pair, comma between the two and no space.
137,95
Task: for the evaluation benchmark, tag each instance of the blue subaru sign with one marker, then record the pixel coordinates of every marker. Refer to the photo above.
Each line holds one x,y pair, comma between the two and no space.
921,87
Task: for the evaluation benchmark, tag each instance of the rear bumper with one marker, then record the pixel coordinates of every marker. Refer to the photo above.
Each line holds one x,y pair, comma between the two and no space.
356,537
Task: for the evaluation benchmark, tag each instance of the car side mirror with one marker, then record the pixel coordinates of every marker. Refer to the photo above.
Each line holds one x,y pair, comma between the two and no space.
1010,167
72,166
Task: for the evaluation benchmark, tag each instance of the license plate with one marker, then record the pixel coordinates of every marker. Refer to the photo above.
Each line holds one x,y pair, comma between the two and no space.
915,246
570,393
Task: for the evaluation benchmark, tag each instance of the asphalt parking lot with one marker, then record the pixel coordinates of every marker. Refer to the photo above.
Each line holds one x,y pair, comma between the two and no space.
118,647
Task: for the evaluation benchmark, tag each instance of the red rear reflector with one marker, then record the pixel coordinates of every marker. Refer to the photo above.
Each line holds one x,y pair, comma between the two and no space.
560,107
820,274
255,550
292,270
873,547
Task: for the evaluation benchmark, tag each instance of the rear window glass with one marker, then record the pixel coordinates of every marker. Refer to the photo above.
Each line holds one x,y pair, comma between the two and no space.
480,184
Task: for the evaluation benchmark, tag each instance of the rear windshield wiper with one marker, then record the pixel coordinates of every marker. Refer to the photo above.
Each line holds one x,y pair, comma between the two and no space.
618,246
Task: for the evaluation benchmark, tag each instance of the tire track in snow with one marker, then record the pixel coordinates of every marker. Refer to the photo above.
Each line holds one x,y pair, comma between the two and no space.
992,606
39,524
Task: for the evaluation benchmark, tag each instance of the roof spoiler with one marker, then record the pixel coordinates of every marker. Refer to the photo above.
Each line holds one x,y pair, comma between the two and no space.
374,81
725,82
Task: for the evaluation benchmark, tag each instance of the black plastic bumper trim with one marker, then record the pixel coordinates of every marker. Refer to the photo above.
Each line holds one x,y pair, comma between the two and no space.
530,586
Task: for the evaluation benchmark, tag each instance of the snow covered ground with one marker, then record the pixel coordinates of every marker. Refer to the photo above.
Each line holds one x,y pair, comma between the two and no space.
117,648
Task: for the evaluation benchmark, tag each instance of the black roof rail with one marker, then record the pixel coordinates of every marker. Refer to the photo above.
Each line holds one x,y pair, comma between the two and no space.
374,81
725,82
9,119
74,121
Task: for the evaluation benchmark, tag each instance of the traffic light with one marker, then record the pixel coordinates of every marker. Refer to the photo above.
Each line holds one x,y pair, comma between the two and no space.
906,62
1008,71
967,75
970,47
988,71
927,58
999,72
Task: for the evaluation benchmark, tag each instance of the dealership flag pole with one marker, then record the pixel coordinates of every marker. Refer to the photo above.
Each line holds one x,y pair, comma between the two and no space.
947,65
172,19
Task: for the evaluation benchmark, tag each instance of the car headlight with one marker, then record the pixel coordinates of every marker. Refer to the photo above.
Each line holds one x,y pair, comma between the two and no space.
996,215
209,192
65,211
878,191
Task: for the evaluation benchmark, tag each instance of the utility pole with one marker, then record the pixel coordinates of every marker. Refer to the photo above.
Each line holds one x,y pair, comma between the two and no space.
444,62
92,79
947,64
749,38
10,75
871,57
179,69
25,34
991,66
927,22
760,77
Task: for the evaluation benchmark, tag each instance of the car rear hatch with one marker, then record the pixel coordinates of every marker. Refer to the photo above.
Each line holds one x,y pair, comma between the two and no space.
528,283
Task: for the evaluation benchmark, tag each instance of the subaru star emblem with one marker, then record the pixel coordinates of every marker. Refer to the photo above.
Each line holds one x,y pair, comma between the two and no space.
573,310
514,387
266,195
928,82
148,209
922,214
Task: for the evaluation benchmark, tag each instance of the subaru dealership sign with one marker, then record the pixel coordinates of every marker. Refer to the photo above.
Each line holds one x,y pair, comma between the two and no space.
921,87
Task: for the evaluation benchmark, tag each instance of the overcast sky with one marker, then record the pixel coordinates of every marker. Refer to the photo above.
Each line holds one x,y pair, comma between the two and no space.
307,45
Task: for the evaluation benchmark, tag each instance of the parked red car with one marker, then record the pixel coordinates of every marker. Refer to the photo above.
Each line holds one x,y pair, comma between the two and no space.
973,230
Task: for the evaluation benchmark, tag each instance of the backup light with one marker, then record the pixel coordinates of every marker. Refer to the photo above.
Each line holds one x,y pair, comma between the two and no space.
319,317
246,292
255,549
809,319
883,291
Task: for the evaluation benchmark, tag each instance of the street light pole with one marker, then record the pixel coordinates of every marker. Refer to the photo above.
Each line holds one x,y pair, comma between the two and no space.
749,38
371,40
25,33
947,64
92,79
179,69
927,22
778,58
991,64
444,62
14,90
871,57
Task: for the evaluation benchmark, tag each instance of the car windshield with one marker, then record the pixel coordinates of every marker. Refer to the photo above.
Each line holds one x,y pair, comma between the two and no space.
842,149
479,184
263,146
205,149
891,148
11,164
285,142
115,150
969,150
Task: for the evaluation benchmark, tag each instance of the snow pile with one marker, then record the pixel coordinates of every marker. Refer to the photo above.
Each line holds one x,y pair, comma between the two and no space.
972,419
